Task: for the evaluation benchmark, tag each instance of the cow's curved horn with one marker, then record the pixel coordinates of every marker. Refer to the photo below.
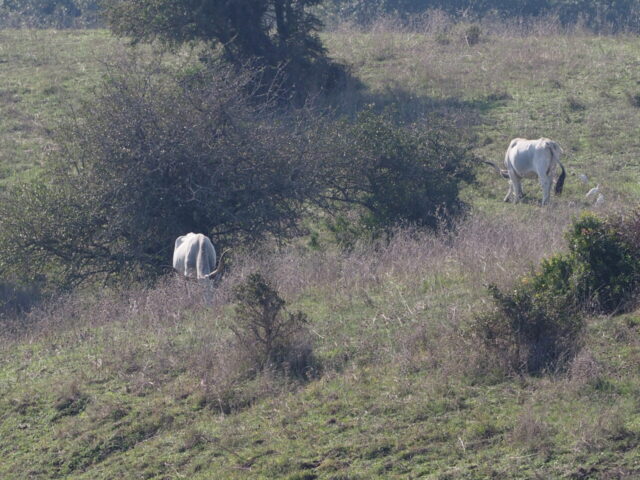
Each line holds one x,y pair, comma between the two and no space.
220,265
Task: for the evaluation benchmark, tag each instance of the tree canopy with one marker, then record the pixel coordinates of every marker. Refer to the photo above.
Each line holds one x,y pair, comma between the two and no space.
280,35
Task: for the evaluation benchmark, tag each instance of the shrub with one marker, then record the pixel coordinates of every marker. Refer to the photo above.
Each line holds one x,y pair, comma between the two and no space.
15,300
272,338
389,173
537,325
605,263
601,271
531,333
634,99
472,35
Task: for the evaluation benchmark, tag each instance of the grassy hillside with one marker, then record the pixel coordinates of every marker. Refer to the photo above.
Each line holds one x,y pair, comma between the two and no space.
578,89
44,72
141,384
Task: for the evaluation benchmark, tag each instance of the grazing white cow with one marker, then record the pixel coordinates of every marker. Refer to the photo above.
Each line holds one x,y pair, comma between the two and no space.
195,257
529,159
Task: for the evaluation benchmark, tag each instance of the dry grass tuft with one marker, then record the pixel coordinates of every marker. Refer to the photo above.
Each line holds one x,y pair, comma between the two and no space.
532,432
584,369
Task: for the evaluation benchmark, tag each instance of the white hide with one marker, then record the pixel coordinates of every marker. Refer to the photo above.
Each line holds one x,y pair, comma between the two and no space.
530,159
194,256
599,200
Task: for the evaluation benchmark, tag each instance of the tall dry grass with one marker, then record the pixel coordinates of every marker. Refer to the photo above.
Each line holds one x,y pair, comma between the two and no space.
407,301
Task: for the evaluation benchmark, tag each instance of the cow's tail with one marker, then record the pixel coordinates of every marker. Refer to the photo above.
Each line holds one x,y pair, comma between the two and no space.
503,173
556,151
220,265
560,182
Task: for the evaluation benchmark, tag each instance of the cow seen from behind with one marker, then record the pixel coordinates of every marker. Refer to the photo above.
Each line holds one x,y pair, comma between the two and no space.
195,257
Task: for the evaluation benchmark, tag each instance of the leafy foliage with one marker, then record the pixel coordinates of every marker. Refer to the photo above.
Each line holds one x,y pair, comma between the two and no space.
537,325
278,34
531,331
601,271
606,267
395,173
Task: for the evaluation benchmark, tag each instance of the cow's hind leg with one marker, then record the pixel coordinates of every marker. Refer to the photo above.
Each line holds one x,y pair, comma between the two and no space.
545,183
516,186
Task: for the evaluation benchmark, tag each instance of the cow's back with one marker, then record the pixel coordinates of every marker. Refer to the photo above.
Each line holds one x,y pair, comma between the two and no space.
528,157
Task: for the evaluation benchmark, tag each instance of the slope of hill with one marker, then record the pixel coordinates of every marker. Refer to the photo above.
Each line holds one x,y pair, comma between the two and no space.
141,384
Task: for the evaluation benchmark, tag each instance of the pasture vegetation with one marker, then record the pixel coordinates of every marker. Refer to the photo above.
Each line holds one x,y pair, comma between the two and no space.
44,74
398,382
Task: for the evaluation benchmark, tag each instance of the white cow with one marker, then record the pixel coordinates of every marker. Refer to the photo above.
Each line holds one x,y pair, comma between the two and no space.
531,159
195,257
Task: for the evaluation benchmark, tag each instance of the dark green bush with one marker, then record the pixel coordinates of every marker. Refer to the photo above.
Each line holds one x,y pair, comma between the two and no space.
387,173
537,325
601,271
529,332
271,337
606,266
472,34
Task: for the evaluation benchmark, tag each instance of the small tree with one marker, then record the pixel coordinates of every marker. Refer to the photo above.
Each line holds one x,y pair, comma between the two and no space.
156,154
273,338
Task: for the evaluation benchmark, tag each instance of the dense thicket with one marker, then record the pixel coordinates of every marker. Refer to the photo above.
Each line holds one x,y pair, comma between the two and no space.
597,14
162,151
155,155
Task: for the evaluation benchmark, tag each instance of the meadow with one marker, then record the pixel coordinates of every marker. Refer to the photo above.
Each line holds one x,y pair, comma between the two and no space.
141,384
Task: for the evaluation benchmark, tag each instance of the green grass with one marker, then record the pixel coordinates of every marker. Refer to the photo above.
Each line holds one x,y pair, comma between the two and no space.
366,422
123,386
44,73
